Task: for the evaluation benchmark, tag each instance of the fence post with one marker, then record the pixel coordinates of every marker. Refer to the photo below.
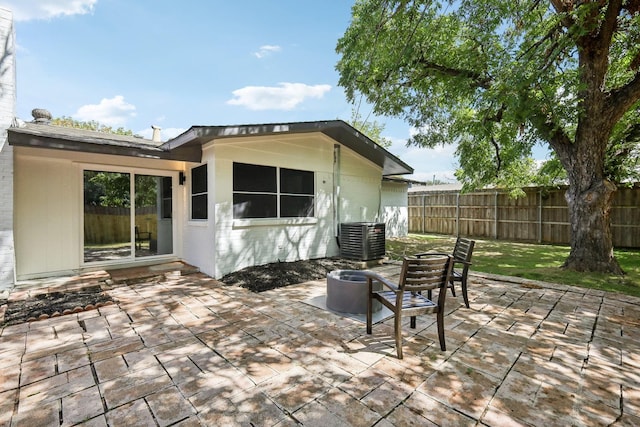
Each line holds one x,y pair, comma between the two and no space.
495,215
540,216
458,213
424,213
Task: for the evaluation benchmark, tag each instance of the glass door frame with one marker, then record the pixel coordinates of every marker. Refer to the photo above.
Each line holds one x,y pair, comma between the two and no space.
132,171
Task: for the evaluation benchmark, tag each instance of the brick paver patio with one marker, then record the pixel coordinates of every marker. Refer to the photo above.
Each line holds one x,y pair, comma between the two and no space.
189,351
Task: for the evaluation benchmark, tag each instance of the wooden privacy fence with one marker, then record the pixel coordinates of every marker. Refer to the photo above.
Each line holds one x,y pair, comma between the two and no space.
107,225
540,216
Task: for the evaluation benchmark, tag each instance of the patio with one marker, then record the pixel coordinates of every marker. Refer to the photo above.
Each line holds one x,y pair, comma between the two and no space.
187,350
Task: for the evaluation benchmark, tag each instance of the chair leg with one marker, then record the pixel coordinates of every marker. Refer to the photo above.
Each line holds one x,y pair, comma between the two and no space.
452,286
398,332
443,345
369,314
464,291
413,322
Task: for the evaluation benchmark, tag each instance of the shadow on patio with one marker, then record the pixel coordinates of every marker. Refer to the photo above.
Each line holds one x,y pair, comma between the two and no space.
188,350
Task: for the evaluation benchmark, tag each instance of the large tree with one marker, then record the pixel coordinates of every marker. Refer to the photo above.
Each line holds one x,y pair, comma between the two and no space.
497,77
373,129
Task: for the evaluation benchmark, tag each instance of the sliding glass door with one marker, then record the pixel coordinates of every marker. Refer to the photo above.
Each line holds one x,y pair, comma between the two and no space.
126,215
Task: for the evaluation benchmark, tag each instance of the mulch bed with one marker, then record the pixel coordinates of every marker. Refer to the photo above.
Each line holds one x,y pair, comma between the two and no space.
276,275
54,304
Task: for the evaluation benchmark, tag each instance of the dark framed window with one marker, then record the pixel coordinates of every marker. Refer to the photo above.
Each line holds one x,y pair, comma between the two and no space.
297,190
199,198
270,192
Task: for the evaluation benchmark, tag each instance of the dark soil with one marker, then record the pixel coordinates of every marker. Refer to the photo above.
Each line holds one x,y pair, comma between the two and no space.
52,304
276,275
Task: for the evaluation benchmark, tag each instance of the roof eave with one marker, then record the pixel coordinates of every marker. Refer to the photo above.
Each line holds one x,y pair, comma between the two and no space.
21,138
338,130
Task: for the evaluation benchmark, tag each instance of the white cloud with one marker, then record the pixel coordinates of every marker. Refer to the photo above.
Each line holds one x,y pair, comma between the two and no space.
111,112
165,133
284,97
26,10
266,50
428,163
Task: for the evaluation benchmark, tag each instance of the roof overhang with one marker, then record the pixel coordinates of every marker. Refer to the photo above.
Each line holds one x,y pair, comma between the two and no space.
188,145
71,139
338,130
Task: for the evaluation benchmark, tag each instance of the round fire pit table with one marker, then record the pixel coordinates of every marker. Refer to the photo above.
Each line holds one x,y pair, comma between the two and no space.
347,292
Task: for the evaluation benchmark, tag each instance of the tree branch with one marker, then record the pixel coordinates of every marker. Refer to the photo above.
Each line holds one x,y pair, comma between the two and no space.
562,7
632,6
552,32
620,100
610,22
476,78
634,65
498,159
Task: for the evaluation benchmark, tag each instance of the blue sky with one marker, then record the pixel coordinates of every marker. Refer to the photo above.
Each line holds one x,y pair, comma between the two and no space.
176,64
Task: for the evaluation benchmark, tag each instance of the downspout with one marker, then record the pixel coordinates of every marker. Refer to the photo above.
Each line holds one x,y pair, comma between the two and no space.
379,215
336,192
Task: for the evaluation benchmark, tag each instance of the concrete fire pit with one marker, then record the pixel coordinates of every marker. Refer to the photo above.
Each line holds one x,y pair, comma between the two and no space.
347,292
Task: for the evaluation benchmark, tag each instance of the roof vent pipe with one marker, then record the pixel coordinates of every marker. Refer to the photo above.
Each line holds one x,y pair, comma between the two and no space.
156,133
40,115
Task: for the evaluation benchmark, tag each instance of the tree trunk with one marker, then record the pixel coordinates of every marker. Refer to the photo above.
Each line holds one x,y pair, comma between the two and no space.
591,241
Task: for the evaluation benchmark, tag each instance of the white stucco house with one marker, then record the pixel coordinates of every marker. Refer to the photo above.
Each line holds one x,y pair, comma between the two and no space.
217,197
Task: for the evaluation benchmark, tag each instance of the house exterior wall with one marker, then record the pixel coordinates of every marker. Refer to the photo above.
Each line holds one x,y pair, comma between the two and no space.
242,243
49,212
360,189
395,211
7,114
198,247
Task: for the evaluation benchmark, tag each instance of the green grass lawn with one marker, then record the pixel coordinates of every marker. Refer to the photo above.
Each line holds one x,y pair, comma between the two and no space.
530,261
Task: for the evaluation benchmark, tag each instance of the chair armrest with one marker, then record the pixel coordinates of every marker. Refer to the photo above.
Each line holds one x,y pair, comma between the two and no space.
378,278
431,253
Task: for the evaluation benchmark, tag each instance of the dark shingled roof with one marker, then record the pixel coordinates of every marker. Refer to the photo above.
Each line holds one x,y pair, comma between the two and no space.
188,145
338,130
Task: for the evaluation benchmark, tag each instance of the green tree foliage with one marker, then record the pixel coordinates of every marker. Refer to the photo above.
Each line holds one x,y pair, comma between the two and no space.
497,77
90,125
372,129
110,189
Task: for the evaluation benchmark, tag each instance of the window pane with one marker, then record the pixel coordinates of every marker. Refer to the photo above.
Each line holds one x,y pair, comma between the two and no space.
254,206
296,206
199,192
254,178
107,216
166,187
199,206
146,214
166,206
153,231
199,179
296,181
